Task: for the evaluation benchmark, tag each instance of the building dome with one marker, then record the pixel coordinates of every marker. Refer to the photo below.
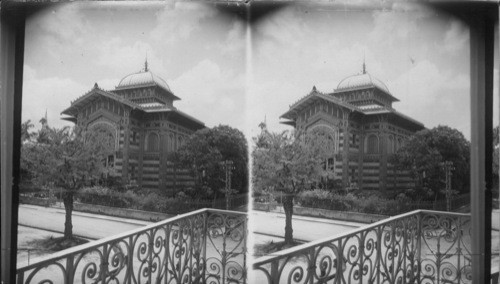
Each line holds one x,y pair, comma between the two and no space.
360,81
144,78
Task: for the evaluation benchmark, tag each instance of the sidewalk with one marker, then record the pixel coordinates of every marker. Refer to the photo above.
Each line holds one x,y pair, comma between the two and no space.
60,210
85,225
305,229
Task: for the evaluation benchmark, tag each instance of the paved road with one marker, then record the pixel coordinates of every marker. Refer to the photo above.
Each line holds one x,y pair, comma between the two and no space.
305,229
85,225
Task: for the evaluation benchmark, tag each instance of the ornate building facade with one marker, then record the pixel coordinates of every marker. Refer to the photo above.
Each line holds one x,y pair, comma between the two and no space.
364,128
145,126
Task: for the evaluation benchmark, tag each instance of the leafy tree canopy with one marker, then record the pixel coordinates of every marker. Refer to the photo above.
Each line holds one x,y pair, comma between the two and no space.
424,154
204,153
291,163
66,158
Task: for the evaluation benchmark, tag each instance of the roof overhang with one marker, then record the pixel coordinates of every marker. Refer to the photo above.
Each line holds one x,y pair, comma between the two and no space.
93,95
149,85
398,117
311,99
178,116
393,98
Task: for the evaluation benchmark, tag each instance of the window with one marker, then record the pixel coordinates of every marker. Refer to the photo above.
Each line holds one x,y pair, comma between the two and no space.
152,145
372,144
390,145
170,143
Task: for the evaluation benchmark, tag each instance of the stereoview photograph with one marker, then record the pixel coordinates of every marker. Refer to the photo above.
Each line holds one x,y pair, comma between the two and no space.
257,142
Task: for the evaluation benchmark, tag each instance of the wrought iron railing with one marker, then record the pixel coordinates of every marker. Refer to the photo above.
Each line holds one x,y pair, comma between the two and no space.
205,246
417,247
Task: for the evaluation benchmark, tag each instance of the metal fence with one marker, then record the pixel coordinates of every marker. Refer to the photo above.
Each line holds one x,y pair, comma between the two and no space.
417,247
205,246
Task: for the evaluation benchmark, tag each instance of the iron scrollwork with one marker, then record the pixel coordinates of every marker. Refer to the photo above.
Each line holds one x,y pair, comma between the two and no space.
173,251
417,247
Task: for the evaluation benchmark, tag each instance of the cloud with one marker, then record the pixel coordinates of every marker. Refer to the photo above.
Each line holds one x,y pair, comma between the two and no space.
402,23
176,22
115,54
434,96
52,94
456,37
59,28
235,42
212,94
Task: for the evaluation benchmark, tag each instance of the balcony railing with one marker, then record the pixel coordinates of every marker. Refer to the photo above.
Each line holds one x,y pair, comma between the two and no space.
204,246
417,247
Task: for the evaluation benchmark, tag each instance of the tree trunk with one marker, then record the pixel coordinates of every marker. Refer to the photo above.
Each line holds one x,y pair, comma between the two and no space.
68,208
288,207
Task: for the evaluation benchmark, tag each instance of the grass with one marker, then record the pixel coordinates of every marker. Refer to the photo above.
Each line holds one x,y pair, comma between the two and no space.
272,247
52,244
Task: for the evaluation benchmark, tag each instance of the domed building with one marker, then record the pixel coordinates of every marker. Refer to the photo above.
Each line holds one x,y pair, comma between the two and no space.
364,128
145,125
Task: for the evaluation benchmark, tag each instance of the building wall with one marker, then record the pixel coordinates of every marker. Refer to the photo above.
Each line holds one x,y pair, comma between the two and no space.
135,132
354,163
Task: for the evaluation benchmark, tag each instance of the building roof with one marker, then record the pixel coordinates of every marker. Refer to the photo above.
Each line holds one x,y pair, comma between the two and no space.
373,109
414,123
361,81
93,94
312,97
143,78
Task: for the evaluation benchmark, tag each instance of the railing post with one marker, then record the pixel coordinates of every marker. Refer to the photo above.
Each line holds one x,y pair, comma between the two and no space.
274,272
70,269
20,278
245,250
104,263
205,236
311,267
166,244
361,255
130,258
419,245
340,263
378,260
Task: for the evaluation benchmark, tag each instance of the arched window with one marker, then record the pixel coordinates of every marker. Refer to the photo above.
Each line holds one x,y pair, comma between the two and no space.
331,134
170,142
180,142
390,145
372,144
152,145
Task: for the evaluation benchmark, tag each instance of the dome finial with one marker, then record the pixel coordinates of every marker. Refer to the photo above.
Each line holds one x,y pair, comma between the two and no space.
146,63
364,64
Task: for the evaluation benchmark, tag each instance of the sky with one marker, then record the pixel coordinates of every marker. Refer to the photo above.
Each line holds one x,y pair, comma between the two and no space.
228,72
199,51
420,54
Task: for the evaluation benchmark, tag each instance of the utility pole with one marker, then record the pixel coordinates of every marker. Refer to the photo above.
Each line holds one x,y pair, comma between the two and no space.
228,169
448,167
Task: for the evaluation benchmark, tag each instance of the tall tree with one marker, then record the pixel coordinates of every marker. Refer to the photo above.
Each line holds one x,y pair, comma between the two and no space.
26,134
288,163
204,152
423,156
68,159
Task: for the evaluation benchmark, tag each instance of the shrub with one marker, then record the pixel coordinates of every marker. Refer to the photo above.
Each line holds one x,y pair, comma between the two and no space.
150,202
317,198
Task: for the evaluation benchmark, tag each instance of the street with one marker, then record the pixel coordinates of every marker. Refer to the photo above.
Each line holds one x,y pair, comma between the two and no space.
305,229
91,226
